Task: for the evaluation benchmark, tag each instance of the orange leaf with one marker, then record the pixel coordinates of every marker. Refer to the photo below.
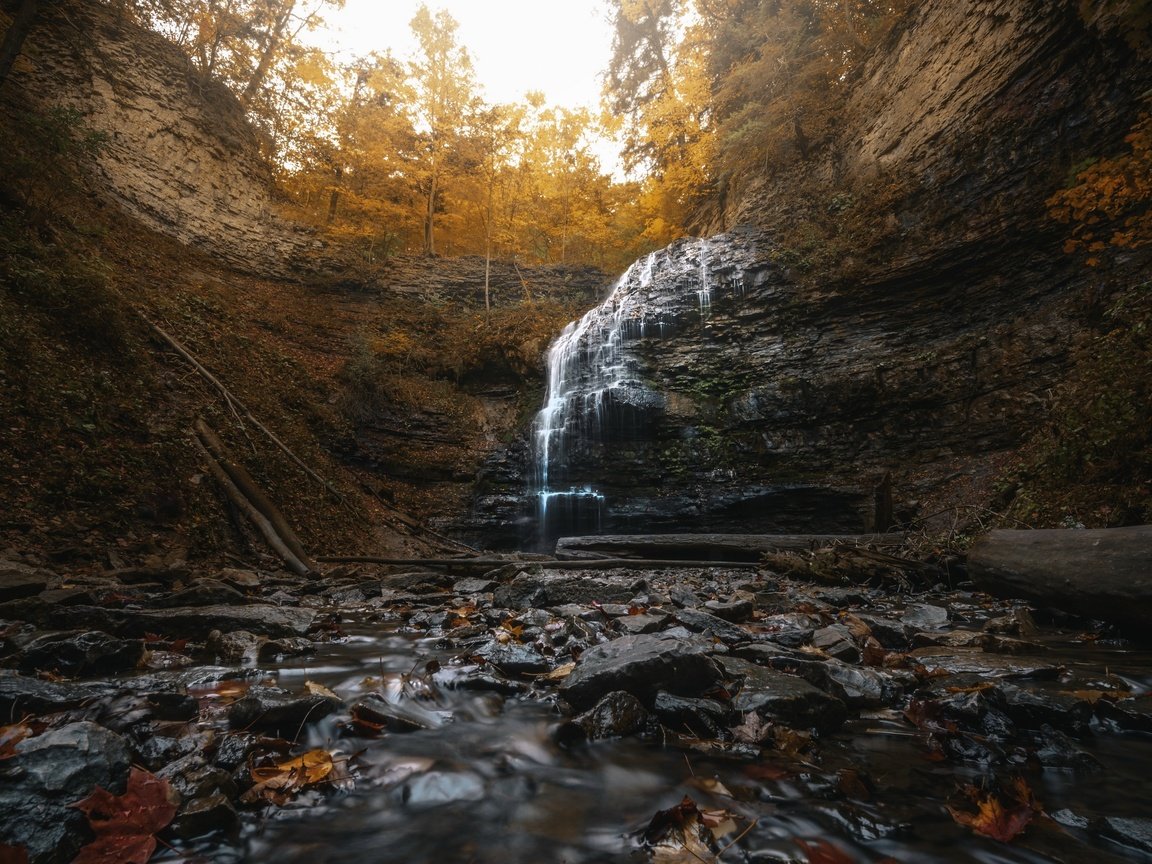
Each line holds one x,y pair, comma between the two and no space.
10,736
999,816
823,852
13,854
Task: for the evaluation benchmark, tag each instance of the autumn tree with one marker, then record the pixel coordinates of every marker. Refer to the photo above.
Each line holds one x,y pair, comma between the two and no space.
443,98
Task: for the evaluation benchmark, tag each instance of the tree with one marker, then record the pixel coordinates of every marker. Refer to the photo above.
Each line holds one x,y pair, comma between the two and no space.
443,97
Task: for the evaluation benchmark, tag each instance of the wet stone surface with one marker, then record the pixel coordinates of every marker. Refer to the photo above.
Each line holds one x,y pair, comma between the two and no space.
535,715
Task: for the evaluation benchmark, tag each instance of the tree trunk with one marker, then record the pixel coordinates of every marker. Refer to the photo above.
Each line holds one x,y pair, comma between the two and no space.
22,23
705,547
271,46
334,197
1103,573
429,216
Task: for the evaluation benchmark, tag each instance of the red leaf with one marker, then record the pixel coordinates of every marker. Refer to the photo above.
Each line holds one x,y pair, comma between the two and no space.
13,854
823,852
124,824
1001,816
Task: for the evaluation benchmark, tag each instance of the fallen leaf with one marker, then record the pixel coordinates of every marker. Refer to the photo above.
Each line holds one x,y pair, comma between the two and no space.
10,736
13,854
275,783
710,785
752,729
560,672
125,824
319,690
999,815
821,851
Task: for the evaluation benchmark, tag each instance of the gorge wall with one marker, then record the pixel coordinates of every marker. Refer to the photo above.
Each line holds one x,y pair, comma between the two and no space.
180,156
918,333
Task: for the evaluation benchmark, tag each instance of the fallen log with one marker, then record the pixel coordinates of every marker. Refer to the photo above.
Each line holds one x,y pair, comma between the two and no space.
486,564
1101,573
247,485
255,516
708,547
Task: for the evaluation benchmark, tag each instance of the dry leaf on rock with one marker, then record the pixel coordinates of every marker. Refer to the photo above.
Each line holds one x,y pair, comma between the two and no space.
822,852
277,783
319,690
10,736
125,824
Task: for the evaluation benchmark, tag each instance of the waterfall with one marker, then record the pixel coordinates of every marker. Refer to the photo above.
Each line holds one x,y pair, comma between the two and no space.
596,392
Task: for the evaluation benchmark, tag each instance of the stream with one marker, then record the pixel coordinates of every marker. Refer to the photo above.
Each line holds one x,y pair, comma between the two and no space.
489,782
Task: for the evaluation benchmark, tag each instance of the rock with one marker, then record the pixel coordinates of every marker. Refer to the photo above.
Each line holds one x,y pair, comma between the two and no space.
836,641
1131,715
474,585
20,695
784,698
514,658
206,794
704,718
1057,750
279,712
616,715
1131,831
647,622
18,581
711,625
922,616
1033,709
375,712
73,654
207,592
641,665
736,611
239,646
192,623
47,774
544,589
241,580
435,788
860,686
958,660
888,632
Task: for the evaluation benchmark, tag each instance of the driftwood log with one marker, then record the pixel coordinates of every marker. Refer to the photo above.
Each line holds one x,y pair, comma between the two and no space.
707,547
1102,573
484,565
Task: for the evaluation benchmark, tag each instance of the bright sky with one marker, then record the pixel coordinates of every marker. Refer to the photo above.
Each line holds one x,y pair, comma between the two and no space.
557,46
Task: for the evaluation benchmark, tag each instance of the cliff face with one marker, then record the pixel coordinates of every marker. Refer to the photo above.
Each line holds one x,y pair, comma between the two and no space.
919,335
180,156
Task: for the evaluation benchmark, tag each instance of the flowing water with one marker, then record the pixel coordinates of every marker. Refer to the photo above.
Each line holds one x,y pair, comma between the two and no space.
488,784
596,387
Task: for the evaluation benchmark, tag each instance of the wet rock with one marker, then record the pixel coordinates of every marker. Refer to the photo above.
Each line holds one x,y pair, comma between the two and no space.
736,611
441,787
206,794
72,654
47,774
1132,831
1130,715
375,712
836,641
156,751
1032,709
784,698
207,592
641,665
286,646
514,658
647,622
762,653
1018,622
861,686
616,715
888,632
711,625
279,712
958,660
418,582
18,581
192,623
474,585
684,597
544,589
20,695
922,616
949,639
239,646
1057,750
704,718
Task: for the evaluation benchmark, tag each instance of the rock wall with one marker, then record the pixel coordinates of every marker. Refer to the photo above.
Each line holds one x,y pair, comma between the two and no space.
934,353
180,156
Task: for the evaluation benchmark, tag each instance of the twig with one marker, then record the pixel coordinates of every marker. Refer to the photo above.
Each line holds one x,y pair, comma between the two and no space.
239,407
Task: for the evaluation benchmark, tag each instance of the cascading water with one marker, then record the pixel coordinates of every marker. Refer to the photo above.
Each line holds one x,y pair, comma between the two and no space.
596,389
